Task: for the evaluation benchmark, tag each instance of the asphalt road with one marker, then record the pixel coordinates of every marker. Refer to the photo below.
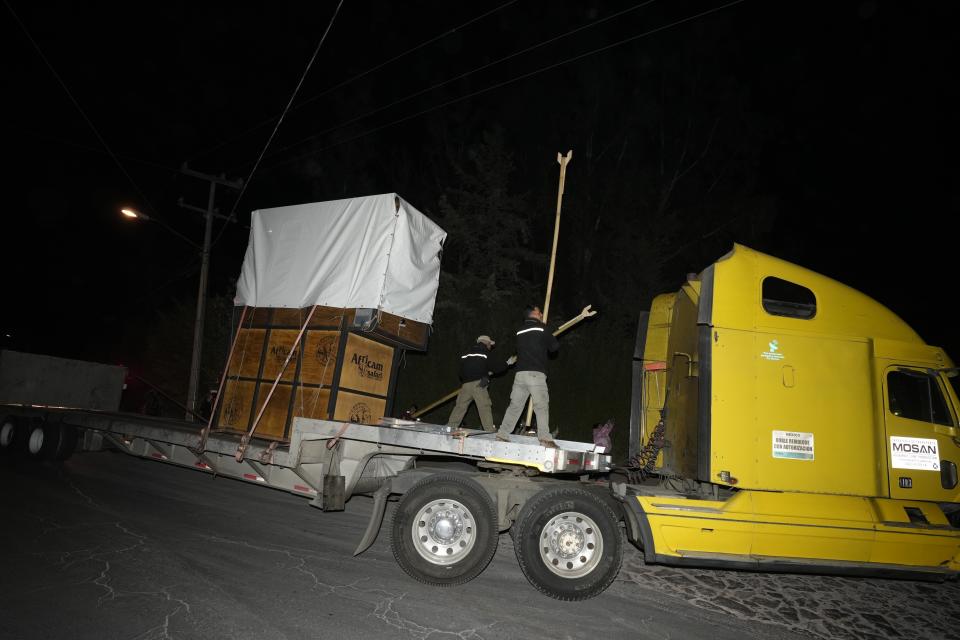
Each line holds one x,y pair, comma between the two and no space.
110,546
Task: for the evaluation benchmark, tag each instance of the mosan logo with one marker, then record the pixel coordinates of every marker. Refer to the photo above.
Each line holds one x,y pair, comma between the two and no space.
368,368
912,447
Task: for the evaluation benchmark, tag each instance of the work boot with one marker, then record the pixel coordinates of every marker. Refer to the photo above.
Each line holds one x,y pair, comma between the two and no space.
549,444
503,438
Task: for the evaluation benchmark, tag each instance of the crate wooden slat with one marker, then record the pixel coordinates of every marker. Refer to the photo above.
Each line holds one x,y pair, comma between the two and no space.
353,407
246,358
366,365
234,411
319,357
311,402
279,345
274,421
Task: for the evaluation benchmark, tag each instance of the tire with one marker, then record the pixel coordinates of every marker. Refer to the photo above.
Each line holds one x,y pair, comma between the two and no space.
13,436
66,442
51,440
42,440
568,543
444,531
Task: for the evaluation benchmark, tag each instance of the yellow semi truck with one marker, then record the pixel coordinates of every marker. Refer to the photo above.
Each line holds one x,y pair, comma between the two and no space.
781,421
796,424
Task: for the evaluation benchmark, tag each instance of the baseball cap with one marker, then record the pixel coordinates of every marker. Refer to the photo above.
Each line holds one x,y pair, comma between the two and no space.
486,340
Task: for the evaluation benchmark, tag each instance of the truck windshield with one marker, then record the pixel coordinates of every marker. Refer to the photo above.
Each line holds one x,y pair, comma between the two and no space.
953,375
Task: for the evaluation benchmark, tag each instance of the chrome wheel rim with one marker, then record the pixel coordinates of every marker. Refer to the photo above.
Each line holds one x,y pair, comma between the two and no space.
444,532
571,545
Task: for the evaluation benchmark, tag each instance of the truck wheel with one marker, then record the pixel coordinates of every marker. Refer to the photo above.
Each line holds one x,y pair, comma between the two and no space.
51,440
66,442
568,543
13,436
444,531
41,440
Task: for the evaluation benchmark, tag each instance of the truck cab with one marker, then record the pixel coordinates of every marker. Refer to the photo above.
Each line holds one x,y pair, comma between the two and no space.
821,425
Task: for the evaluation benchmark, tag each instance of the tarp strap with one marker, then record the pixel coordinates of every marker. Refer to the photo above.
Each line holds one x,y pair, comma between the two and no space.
205,432
296,344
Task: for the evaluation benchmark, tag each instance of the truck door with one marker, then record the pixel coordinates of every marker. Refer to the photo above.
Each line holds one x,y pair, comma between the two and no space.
923,443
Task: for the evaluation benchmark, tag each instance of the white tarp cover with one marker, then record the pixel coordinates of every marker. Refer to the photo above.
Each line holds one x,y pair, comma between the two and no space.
353,253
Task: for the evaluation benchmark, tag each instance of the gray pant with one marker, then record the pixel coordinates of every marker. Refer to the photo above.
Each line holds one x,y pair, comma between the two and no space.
526,384
472,392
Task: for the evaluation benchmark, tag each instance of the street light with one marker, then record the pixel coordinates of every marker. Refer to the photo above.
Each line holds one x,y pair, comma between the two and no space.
133,213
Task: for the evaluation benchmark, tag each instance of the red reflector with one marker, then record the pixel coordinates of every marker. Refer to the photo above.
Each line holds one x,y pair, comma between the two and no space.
655,366
201,465
158,456
250,476
573,461
300,487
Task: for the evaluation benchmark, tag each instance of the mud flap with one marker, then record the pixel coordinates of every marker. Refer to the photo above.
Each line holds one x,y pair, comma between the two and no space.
376,518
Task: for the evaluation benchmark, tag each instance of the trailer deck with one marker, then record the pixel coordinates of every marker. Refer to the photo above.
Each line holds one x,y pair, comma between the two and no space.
301,465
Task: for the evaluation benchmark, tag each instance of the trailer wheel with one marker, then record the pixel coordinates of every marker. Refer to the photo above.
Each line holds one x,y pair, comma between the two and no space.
42,439
51,440
13,435
444,531
66,442
568,543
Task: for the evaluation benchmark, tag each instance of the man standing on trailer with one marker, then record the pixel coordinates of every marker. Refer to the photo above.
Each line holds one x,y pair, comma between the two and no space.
534,343
476,367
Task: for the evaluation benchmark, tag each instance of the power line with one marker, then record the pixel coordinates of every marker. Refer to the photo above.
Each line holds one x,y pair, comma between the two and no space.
303,77
462,76
362,74
77,105
510,81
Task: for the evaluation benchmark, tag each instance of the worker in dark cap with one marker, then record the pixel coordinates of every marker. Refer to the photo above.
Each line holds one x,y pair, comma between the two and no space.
476,367
534,344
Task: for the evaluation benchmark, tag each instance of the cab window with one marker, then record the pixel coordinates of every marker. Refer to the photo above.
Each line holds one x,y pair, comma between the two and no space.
788,299
916,395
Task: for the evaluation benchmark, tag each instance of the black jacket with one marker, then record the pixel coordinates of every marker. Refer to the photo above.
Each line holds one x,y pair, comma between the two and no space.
534,342
479,362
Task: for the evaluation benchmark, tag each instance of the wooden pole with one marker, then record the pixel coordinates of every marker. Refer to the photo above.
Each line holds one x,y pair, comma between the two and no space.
563,161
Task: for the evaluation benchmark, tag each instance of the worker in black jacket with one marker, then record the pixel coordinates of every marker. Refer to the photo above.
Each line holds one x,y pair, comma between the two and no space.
476,367
534,343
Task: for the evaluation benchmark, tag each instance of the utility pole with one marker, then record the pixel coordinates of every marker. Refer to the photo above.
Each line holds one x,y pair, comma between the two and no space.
210,213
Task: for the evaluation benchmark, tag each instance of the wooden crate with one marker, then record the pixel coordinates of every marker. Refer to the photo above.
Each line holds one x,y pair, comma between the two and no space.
340,370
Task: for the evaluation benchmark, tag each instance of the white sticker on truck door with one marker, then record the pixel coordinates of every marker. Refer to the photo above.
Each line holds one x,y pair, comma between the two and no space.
914,453
793,445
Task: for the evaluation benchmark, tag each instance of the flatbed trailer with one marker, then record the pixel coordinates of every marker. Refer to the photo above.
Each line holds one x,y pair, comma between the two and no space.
458,489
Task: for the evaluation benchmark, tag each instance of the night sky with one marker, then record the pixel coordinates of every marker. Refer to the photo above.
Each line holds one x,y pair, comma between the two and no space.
839,119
